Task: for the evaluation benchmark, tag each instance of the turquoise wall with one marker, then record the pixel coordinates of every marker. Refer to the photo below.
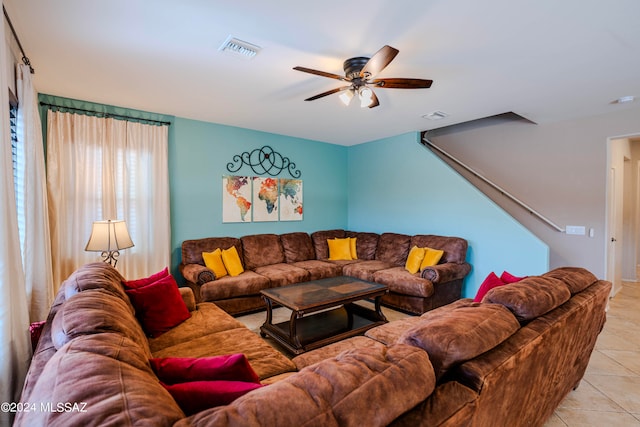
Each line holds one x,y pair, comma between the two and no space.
396,184
198,157
393,184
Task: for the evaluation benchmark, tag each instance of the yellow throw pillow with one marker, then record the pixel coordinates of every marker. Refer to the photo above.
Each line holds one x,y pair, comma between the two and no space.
339,249
352,247
232,261
213,261
431,257
414,259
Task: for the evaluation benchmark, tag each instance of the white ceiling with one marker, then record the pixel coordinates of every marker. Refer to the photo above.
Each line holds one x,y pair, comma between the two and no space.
546,60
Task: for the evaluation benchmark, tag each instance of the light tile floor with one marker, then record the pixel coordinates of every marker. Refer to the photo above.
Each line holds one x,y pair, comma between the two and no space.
609,394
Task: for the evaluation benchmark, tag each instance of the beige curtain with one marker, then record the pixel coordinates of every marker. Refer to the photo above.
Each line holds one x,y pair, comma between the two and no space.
15,346
36,242
99,169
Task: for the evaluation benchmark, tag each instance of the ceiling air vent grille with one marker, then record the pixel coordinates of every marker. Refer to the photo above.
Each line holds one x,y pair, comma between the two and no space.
239,48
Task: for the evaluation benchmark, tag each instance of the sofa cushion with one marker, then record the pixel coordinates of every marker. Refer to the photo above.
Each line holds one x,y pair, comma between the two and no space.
455,248
356,388
576,279
264,359
491,281
431,257
96,275
414,259
262,249
283,274
144,281
399,280
365,270
159,306
196,396
231,260
213,261
94,312
460,333
393,248
366,244
319,269
320,238
206,320
531,297
340,249
297,247
228,367
192,249
247,283
109,375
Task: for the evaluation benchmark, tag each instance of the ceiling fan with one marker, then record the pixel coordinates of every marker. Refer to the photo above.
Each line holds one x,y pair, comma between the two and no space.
359,73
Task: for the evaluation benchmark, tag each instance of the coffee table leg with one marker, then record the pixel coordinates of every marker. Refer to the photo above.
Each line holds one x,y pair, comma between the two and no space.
269,315
378,306
293,333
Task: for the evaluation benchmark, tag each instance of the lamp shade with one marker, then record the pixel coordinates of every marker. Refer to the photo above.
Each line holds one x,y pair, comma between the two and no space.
109,235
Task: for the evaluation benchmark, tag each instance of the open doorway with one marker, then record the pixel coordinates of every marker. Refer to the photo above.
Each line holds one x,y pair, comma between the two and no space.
623,209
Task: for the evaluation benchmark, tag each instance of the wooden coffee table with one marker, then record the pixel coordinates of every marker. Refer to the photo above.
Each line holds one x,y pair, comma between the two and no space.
322,312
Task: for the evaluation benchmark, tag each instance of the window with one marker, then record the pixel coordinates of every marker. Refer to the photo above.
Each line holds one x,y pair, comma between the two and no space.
18,165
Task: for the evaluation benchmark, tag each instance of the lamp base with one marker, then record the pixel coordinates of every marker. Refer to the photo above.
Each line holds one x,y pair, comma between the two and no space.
110,257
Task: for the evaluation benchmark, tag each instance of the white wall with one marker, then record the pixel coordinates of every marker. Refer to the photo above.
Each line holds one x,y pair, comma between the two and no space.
560,169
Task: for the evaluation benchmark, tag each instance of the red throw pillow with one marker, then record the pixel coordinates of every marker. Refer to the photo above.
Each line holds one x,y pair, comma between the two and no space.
145,281
35,329
196,396
507,277
490,282
159,306
232,367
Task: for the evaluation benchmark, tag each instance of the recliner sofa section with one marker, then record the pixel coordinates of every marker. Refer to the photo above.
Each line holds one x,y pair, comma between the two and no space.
272,260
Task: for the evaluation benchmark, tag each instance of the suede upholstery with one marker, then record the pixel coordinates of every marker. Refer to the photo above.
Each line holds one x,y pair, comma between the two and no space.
461,364
492,370
94,354
272,260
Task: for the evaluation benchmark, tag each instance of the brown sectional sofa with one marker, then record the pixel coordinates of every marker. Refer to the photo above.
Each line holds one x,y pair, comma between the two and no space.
272,260
509,360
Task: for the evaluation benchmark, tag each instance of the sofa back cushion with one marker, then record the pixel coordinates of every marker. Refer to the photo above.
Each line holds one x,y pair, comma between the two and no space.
455,248
95,275
366,244
94,312
452,336
262,249
576,279
531,297
297,247
393,248
192,249
109,379
320,238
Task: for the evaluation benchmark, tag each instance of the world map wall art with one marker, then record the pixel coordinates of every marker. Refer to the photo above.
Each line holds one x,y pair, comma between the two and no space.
260,199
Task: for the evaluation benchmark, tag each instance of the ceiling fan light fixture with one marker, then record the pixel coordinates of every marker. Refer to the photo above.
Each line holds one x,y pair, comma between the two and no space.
346,96
366,96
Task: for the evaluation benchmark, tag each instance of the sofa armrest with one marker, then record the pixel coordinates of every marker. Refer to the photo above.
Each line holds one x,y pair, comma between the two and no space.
442,273
196,273
188,297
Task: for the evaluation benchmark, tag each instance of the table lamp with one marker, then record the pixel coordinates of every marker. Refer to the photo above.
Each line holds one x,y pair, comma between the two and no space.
109,236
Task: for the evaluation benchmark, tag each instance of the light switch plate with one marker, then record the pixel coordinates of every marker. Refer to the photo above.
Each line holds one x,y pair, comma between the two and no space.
575,229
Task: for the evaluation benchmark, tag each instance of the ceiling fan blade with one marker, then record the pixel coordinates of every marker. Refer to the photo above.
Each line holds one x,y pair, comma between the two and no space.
379,61
374,100
329,92
402,83
321,73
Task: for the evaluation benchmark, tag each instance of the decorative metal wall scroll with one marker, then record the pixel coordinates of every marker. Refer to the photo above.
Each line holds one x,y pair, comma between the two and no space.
264,161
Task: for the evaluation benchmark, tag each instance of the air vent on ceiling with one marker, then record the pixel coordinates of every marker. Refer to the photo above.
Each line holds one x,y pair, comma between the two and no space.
239,48
436,115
